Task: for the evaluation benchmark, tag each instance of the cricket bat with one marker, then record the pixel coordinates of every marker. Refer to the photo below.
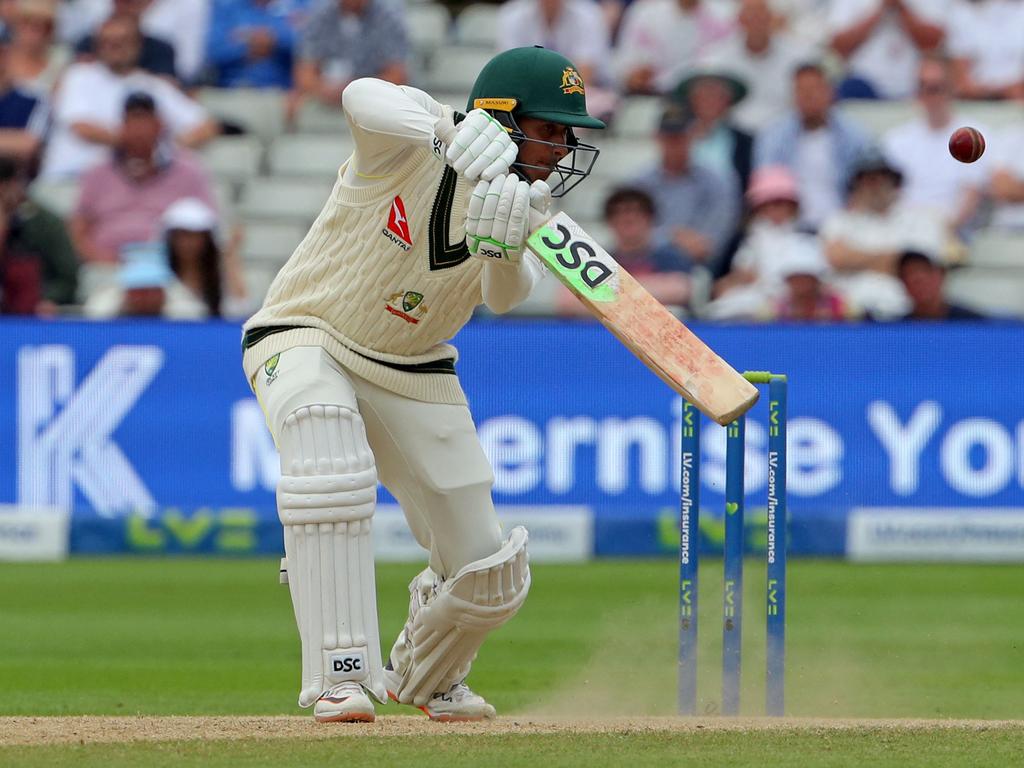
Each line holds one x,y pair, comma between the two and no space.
640,321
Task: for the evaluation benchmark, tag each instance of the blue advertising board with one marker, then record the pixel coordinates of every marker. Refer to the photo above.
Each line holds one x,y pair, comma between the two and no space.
148,432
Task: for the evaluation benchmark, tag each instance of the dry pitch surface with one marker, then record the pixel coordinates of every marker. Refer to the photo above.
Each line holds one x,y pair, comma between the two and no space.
40,731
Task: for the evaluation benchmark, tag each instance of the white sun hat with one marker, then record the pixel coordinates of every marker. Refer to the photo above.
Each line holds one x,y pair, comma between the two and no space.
190,214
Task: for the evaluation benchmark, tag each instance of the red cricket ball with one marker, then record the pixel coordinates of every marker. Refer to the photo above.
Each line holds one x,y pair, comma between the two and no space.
966,144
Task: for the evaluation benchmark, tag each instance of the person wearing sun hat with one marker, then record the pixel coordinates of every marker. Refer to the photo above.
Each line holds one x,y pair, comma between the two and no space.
754,281
711,93
196,255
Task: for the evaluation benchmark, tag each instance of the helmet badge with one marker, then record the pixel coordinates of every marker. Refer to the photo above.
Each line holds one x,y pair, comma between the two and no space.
572,82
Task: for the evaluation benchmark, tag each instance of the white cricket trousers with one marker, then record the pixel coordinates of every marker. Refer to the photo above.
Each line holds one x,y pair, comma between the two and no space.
427,454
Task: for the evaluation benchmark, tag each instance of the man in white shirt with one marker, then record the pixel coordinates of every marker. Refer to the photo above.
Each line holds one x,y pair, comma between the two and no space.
574,28
933,179
864,241
986,42
659,39
881,40
87,107
764,58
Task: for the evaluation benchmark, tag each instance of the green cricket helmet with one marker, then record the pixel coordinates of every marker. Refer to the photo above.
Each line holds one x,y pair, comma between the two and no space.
539,83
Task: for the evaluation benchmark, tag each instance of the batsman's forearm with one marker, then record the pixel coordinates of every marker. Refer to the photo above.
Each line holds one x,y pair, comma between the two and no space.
506,286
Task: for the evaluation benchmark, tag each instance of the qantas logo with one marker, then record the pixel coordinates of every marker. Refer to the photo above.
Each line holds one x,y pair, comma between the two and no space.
397,230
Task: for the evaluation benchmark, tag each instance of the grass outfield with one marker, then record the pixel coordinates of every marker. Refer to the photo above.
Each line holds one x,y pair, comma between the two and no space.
216,637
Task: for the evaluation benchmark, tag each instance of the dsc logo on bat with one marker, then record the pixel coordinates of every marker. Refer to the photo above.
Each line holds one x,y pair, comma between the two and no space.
578,256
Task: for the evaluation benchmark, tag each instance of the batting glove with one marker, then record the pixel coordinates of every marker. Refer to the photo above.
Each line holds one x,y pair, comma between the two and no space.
498,218
481,148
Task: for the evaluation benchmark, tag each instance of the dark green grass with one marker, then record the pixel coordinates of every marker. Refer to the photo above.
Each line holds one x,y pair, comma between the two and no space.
780,749
177,636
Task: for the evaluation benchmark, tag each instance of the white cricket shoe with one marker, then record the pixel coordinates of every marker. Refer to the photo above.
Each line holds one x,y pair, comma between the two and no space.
456,705
344,703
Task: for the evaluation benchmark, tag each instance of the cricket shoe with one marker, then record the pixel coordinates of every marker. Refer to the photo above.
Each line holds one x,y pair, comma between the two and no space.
344,703
456,705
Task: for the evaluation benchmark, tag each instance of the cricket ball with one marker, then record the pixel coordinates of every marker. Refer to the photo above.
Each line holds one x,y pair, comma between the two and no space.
966,144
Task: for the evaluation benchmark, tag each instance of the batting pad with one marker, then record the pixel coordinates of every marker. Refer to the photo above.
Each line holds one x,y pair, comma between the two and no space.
325,499
447,629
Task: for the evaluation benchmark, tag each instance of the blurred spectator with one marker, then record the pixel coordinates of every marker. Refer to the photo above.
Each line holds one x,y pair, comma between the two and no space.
24,118
924,279
182,24
918,149
91,96
661,39
38,267
122,200
864,241
344,40
156,55
764,58
251,43
697,208
1006,186
807,297
145,287
657,264
804,20
986,42
711,95
880,40
212,274
818,143
34,61
753,282
574,28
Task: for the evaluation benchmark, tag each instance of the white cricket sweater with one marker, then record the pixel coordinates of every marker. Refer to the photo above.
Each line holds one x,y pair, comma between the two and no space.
384,276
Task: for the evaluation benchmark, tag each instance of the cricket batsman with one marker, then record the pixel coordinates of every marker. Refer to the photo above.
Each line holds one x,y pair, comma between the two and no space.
349,360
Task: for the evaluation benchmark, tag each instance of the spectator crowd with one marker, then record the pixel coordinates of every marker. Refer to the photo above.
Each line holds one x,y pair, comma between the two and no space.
768,199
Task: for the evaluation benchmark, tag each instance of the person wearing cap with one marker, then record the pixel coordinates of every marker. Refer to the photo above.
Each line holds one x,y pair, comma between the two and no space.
807,296
38,265
763,54
145,286
121,201
924,278
754,282
711,93
816,141
89,104
349,360
195,254
863,242
24,117
35,62
698,206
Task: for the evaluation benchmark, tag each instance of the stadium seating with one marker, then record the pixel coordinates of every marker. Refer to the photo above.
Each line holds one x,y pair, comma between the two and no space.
289,200
994,291
310,156
259,111
268,245
57,196
993,249
455,69
429,25
477,26
234,158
